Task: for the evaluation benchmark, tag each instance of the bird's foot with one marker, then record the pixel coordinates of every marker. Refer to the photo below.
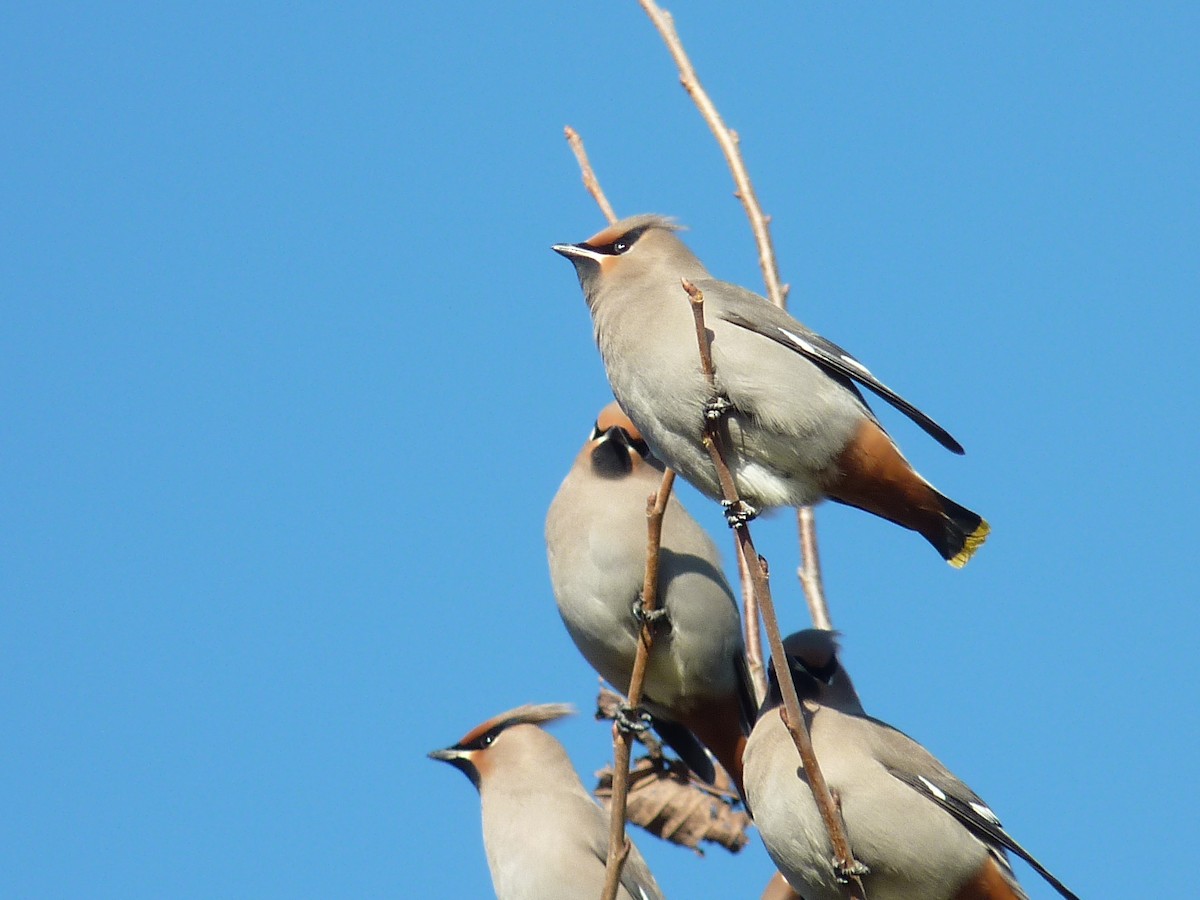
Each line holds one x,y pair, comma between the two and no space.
651,618
846,871
632,719
738,513
717,407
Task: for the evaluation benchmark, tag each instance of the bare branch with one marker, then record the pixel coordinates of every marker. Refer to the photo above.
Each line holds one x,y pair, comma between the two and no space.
753,637
728,140
715,440
777,291
589,177
809,571
618,843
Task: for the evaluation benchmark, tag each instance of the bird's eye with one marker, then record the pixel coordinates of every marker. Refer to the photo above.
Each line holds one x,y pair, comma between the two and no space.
620,245
627,240
483,741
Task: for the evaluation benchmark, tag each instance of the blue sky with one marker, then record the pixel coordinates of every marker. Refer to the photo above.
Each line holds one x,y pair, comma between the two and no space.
290,376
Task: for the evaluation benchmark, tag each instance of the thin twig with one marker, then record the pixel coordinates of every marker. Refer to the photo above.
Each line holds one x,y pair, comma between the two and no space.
589,177
809,571
728,140
777,291
715,440
618,843
754,657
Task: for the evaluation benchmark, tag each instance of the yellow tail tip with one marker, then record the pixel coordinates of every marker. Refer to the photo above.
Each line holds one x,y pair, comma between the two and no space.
973,542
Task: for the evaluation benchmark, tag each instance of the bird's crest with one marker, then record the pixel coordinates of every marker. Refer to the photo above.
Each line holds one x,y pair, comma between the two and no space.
633,223
529,714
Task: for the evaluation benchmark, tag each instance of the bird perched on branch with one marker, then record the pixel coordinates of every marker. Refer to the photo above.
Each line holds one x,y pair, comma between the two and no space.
596,543
799,428
546,839
921,833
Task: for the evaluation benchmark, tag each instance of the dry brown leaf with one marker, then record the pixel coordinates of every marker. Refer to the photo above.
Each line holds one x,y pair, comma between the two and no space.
668,802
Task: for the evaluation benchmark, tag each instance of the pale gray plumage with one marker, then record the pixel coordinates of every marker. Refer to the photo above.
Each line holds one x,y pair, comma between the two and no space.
799,428
596,547
546,839
923,833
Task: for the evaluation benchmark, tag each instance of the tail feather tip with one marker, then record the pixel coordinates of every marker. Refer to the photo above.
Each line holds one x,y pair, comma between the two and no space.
971,543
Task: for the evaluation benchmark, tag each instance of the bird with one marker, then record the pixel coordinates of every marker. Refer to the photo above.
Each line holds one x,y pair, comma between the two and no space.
546,839
921,832
799,428
696,684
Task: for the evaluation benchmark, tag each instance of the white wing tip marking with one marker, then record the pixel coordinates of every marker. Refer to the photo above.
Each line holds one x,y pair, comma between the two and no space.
801,342
854,363
807,347
933,788
985,813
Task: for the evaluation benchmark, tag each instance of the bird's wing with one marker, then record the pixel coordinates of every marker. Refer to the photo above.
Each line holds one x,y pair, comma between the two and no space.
750,311
747,702
909,762
688,746
636,876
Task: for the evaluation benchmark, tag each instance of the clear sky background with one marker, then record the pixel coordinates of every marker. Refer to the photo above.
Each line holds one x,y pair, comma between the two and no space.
289,374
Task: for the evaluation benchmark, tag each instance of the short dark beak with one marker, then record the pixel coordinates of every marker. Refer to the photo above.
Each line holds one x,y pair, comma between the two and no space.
578,253
461,760
568,250
585,260
617,436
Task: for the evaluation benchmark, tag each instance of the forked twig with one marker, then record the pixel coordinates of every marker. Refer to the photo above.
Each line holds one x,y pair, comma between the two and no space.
777,291
618,843
715,442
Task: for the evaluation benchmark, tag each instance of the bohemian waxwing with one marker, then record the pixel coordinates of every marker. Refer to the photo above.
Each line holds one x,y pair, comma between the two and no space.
922,833
546,839
799,428
696,682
